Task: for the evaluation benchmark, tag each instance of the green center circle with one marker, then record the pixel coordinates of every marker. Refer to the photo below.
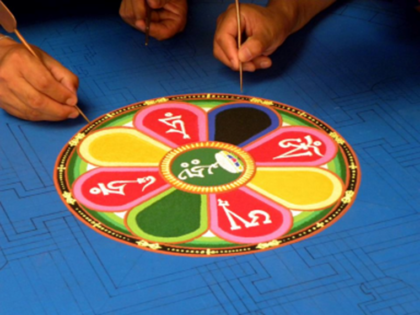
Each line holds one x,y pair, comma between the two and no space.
207,167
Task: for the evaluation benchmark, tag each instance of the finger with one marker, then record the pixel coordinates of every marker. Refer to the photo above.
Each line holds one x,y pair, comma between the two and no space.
248,66
123,7
226,39
222,57
139,9
171,11
139,6
166,24
16,109
14,112
157,4
250,49
20,110
141,25
163,30
62,74
38,106
255,46
126,12
261,62
44,82
123,10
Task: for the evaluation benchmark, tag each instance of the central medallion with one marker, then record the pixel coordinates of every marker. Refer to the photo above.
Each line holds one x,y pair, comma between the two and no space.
207,167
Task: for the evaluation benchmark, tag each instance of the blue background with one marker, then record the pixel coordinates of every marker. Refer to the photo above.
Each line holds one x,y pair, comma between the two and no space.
356,67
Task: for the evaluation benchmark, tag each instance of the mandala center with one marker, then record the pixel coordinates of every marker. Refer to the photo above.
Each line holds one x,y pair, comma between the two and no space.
205,167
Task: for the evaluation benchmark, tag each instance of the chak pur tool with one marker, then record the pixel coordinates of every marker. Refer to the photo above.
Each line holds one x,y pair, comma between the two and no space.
238,17
8,21
148,19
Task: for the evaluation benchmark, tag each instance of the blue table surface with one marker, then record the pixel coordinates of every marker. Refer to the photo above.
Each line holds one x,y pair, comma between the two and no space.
356,67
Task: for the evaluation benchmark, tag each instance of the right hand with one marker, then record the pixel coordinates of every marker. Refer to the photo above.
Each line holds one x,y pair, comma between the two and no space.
35,90
265,31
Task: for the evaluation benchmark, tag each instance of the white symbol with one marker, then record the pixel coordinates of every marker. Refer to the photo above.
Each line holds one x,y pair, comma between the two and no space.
118,186
197,170
300,148
176,123
254,215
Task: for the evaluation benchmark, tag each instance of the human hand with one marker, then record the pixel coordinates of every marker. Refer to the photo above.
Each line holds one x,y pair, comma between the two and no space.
265,28
35,90
168,17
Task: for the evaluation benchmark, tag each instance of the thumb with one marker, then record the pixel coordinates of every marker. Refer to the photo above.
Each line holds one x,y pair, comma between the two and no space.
64,76
253,47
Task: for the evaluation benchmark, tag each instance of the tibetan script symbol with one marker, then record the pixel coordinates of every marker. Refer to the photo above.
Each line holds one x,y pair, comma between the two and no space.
118,186
299,148
252,215
197,170
176,123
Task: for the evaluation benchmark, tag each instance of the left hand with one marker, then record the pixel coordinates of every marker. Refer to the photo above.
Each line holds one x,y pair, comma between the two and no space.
168,17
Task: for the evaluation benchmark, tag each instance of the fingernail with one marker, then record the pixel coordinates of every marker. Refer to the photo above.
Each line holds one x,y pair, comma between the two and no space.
73,115
141,25
233,63
265,64
72,88
248,67
71,101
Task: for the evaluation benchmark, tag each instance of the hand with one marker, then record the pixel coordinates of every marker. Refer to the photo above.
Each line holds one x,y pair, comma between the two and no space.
35,90
265,28
168,17
265,31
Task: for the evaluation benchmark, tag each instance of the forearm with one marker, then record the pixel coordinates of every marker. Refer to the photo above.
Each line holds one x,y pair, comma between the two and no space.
299,11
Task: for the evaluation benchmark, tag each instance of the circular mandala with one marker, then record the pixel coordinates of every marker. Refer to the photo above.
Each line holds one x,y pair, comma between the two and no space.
207,175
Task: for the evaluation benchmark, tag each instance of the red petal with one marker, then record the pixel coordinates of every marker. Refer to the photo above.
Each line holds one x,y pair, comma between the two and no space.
118,189
293,146
243,216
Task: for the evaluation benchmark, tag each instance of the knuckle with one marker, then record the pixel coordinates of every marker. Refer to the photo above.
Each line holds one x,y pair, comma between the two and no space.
3,75
36,102
17,55
43,82
129,16
75,80
218,40
259,48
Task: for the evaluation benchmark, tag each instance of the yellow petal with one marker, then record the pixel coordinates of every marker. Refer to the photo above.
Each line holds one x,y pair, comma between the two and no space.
298,188
121,147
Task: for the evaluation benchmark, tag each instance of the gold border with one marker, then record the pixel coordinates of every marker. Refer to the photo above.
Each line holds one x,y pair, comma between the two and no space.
165,168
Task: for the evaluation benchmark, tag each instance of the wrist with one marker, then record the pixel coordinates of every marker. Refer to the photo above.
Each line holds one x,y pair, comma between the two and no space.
299,12
287,11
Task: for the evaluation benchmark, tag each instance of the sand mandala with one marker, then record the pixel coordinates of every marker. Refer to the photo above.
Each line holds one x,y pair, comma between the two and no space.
207,175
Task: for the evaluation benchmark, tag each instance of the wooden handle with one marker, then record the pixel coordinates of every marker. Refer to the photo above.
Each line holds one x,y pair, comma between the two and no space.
238,17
